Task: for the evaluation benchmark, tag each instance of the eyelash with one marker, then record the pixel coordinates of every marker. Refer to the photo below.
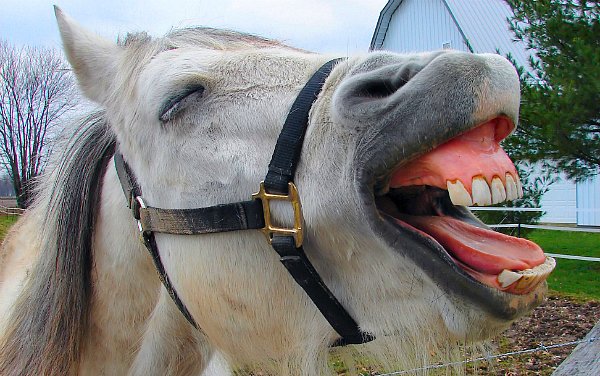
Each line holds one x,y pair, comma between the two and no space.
176,104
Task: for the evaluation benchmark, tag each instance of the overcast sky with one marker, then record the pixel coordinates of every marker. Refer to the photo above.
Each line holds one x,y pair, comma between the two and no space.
336,26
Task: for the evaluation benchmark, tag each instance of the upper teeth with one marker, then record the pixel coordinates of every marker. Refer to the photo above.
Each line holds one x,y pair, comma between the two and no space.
458,193
511,188
482,194
498,191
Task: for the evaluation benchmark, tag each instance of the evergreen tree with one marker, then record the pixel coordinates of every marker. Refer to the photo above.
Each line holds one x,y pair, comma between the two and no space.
560,111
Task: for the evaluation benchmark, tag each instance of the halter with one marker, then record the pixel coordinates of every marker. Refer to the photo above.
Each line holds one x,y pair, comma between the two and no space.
253,214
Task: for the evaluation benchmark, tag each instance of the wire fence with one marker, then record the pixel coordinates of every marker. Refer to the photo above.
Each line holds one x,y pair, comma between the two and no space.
546,227
541,347
519,225
504,208
573,257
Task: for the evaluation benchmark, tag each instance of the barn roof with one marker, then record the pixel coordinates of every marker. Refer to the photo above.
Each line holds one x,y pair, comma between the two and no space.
482,23
383,23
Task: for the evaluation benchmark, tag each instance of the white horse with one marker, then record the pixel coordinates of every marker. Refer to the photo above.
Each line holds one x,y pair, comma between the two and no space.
396,147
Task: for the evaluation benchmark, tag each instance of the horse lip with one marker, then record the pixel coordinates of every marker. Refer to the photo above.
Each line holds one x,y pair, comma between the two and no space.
435,261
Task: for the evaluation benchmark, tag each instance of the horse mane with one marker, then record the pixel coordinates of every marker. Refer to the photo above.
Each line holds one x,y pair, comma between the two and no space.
46,327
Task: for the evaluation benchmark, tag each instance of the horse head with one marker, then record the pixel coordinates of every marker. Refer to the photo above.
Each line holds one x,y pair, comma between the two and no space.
396,147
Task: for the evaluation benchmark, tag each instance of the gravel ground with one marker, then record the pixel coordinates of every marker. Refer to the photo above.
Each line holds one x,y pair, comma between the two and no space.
556,321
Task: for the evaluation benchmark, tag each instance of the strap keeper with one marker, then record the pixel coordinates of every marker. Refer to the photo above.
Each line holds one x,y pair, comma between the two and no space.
136,206
136,203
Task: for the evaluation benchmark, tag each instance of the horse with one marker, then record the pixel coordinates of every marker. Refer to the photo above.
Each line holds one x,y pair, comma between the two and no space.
395,147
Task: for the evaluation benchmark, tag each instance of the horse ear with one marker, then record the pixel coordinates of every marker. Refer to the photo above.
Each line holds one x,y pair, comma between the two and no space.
93,58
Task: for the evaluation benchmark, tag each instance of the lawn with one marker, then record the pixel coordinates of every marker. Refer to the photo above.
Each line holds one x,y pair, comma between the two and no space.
577,279
5,222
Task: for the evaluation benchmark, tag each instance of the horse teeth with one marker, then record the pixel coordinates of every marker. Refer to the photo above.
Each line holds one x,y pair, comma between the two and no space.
481,192
498,191
458,193
511,188
526,279
484,194
508,277
519,188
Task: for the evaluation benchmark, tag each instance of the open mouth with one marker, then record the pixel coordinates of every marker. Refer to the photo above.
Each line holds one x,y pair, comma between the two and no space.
427,197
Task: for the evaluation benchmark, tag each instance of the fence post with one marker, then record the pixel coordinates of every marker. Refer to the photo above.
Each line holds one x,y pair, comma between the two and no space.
584,359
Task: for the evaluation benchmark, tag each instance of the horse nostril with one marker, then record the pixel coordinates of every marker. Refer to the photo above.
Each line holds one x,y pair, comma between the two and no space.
378,89
386,82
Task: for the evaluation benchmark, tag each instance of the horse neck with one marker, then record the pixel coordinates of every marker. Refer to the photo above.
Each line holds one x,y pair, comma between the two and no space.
125,285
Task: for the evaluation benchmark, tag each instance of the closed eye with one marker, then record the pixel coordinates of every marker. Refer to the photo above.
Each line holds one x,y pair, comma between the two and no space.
179,101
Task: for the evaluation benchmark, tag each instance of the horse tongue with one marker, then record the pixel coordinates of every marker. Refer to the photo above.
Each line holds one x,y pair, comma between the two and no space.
483,250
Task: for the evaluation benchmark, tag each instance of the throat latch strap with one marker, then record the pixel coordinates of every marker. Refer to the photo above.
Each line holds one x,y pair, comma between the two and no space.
133,195
254,214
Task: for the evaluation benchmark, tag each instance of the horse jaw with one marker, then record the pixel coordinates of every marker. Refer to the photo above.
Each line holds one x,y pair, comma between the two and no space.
134,327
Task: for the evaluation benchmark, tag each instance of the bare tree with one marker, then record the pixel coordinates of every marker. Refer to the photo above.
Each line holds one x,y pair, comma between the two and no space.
36,90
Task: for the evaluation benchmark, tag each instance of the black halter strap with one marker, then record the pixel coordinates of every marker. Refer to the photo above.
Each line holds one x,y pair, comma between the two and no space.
254,214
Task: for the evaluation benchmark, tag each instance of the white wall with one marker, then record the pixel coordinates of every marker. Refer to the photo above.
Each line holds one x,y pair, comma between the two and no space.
485,25
588,202
560,202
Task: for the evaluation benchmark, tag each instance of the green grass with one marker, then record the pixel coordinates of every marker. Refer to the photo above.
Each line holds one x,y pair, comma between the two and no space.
5,222
573,278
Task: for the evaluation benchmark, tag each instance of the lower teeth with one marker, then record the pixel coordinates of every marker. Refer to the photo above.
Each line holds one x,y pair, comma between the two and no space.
526,278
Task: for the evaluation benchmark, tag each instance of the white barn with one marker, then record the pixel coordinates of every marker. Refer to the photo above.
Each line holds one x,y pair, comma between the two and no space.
479,26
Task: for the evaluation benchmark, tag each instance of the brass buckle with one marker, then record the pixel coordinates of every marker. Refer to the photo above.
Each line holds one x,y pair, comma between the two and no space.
269,230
